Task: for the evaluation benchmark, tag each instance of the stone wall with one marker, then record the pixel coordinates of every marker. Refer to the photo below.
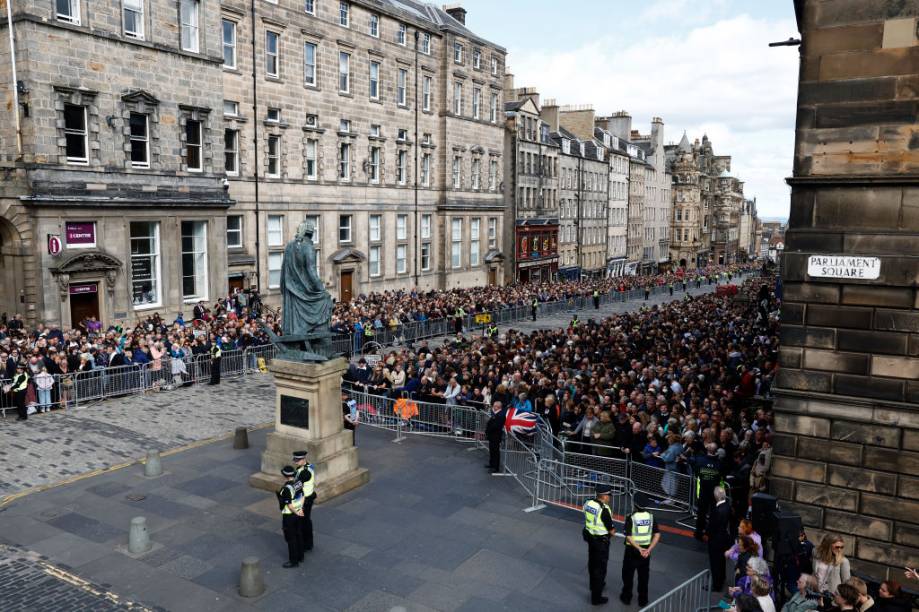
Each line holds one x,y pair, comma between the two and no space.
847,407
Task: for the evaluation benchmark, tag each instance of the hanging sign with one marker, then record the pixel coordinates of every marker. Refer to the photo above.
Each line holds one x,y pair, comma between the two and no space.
844,266
54,244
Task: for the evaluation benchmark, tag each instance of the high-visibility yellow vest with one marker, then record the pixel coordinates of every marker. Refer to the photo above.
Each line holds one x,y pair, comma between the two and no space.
215,351
296,494
592,511
642,528
310,485
20,382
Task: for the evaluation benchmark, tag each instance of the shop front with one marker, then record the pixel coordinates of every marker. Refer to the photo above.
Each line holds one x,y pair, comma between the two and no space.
537,252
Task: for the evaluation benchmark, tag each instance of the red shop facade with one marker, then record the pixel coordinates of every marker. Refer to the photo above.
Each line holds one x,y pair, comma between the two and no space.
536,249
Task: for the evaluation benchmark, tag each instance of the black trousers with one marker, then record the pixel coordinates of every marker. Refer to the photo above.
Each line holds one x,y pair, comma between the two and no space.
20,398
534,314
306,524
215,370
597,559
290,523
494,454
704,504
596,303
717,562
632,562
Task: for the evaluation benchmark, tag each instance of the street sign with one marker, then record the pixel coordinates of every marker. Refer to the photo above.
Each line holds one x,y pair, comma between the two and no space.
852,267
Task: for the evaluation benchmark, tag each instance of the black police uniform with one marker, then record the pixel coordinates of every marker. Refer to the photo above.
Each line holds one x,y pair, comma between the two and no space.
290,523
708,469
632,561
216,355
598,556
306,521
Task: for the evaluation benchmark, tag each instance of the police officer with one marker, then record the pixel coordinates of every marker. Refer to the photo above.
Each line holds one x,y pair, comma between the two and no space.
491,330
641,536
596,299
18,388
216,353
306,476
575,322
534,306
290,500
598,529
708,471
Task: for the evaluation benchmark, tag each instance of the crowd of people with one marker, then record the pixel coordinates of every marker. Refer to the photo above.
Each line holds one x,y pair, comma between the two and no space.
655,385
368,314
35,363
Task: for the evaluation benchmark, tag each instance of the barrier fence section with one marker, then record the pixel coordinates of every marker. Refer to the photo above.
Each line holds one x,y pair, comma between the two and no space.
667,488
81,387
537,462
694,595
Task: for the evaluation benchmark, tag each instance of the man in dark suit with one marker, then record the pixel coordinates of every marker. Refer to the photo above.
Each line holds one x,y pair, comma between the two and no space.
494,432
718,530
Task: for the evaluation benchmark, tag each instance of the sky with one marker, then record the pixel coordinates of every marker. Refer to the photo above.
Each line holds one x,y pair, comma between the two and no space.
703,66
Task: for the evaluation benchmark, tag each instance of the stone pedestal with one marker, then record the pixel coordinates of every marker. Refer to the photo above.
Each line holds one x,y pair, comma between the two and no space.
308,416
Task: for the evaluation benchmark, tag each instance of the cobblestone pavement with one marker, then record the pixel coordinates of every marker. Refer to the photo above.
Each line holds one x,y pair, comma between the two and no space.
30,582
55,446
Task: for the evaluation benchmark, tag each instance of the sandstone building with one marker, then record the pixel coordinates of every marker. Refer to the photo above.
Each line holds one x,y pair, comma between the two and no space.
532,188
168,168
847,399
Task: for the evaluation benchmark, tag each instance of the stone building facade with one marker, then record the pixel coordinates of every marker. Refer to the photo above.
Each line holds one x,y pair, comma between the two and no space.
112,201
658,203
532,181
847,400
618,205
381,124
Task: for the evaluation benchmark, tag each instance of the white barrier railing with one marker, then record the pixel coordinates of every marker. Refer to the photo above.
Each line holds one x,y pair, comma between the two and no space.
694,595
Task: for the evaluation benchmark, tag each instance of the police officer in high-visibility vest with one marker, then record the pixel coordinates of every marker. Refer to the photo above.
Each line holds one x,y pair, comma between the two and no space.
708,471
290,500
306,475
534,306
18,388
216,354
596,299
641,536
491,330
598,529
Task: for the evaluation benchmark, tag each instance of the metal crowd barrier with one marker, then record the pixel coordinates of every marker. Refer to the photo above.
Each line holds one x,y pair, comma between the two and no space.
570,486
667,488
82,387
694,595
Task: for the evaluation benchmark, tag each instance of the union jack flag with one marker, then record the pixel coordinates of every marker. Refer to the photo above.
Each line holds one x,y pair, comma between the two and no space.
519,422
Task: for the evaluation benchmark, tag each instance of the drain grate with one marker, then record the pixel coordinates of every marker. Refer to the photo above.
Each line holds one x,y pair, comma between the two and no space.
135,497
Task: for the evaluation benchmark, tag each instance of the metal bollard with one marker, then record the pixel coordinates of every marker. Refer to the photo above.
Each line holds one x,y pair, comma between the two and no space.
251,583
153,467
241,438
138,537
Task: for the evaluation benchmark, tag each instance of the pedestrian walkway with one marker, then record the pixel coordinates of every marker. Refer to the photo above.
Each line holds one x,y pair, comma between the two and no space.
431,531
56,446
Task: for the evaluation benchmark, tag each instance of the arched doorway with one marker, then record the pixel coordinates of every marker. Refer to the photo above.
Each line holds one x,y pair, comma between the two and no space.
12,270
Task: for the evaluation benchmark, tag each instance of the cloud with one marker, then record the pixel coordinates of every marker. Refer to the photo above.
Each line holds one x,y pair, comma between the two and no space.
720,77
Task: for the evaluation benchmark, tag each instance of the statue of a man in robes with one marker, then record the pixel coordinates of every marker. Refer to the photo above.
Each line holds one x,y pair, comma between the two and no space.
307,306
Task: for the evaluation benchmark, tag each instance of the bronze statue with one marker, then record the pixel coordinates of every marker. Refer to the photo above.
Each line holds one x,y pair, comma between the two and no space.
307,306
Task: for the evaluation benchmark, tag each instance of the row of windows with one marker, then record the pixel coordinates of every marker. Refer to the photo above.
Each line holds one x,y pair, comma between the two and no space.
76,139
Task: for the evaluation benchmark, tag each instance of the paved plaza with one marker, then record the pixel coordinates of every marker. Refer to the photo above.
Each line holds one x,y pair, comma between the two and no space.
431,531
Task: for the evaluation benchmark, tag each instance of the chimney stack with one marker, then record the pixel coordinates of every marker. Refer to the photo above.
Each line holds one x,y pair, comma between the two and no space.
456,11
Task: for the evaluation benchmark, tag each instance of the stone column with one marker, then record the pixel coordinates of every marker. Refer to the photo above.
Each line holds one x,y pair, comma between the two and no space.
847,397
